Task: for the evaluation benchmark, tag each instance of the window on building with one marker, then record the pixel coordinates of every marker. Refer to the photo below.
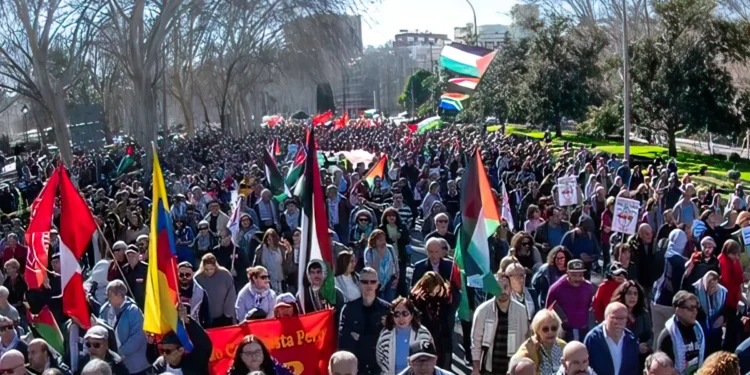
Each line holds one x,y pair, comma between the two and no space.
410,39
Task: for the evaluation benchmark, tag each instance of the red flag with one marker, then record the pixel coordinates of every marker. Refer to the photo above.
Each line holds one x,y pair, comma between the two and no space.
322,118
342,122
77,227
303,343
276,147
37,236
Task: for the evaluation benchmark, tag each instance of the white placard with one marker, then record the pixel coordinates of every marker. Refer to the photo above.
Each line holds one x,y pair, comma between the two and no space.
625,219
567,191
475,281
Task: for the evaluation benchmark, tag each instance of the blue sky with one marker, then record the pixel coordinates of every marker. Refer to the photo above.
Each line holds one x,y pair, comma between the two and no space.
385,18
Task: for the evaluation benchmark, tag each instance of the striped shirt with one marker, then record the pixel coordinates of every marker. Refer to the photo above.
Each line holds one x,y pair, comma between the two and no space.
406,215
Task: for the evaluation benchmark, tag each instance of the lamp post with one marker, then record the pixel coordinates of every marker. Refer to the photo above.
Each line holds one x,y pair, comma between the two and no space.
25,110
626,81
476,33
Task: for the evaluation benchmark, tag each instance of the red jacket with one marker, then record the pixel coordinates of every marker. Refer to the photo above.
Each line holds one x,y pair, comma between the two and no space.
603,297
19,253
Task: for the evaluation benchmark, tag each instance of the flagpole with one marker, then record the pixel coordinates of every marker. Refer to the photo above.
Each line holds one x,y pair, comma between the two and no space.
114,260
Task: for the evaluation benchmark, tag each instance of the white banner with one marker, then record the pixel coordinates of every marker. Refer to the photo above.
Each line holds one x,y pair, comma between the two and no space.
567,191
626,215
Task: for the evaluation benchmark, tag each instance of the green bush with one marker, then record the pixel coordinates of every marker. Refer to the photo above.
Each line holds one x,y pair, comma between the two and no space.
734,158
602,121
734,174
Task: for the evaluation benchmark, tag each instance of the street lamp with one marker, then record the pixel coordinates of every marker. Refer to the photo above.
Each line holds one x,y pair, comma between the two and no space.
476,33
25,110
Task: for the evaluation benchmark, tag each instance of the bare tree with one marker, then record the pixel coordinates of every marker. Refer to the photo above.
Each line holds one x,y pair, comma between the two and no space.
31,30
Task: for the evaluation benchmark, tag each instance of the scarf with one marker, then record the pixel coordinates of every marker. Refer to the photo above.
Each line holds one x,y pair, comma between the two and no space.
677,242
292,218
712,304
259,295
680,364
4,349
550,362
203,242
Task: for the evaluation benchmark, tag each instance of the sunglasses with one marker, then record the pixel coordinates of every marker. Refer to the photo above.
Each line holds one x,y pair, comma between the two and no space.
202,228
548,329
6,328
185,275
526,243
442,221
10,371
692,308
368,282
364,220
398,314
169,351
264,277
94,345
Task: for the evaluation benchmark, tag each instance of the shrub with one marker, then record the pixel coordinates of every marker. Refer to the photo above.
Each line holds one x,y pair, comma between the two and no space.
734,158
703,170
734,174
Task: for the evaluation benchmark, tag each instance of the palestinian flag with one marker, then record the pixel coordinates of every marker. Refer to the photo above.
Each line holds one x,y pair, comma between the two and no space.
378,170
298,165
275,180
429,124
126,161
462,59
479,220
77,228
315,244
44,326
463,85
370,113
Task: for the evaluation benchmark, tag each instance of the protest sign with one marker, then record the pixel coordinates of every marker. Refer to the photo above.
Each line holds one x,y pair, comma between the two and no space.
567,191
625,218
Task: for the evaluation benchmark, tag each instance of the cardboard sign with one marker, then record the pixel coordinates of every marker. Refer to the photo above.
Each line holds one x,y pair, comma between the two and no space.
625,219
567,191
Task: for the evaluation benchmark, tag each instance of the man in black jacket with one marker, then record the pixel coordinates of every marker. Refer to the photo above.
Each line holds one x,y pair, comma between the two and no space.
174,354
135,276
361,322
41,358
551,232
97,343
194,295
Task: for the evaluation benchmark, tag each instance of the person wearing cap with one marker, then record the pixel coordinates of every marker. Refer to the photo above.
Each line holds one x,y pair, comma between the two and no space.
193,295
42,358
118,250
96,341
121,312
361,322
613,348
572,297
671,279
682,338
12,362
423,360
175,359
286,306
701,261
685,210
204,241
582,241
216,218
617,274
135,272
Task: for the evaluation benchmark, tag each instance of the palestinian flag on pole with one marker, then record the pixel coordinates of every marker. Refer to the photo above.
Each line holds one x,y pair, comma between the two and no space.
479,220
77,228
45,327
295,171
315,244
276,147
275,180
378,170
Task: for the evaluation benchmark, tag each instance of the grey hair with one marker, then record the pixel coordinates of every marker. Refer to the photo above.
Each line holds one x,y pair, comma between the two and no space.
4,292
341,358
522,361
96,367
117,287
435,240
441,215
368,270
661,358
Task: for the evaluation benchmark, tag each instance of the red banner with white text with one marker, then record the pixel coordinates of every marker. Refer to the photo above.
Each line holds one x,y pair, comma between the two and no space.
303,343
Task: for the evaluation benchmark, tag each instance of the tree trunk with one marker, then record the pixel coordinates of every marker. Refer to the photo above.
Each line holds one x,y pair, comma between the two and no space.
61,127
145,119
672,140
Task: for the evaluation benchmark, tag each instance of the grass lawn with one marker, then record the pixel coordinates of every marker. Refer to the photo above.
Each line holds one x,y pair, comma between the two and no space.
687,161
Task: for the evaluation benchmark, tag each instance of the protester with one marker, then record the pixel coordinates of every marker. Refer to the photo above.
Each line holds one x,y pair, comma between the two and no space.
575,360
402,328
432,297
571,297
423,360
135,272
550,272
671,280
219,285
342,363
617,275
382,257
683,339
6,309
524,366
732,279
517,276
314,300
659,364
623,356
275,255
544,347
252,355
97,343
175,359
361,322
712,298
41,358
720,363
9,337
346,279
498,330
256,299
12,363
122,313
193,295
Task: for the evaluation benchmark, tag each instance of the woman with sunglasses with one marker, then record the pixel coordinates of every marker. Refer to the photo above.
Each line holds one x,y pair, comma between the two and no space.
544,347
253,356
523,249
432,297
205,241
397,236
256,299
550,272
402,328
275,254
634,298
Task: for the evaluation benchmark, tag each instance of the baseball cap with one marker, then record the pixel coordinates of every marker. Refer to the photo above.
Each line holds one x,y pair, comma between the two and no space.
576,265
616,269
97,332
285,300
422,348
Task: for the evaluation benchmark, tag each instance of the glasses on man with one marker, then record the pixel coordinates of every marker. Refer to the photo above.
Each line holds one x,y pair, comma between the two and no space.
691,308
368,282
6,328
185,275
94,345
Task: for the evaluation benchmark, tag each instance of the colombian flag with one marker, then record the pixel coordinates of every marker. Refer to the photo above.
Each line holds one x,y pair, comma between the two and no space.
160,315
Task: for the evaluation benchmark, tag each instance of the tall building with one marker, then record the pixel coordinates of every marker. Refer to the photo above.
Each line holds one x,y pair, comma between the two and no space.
490,36
423,47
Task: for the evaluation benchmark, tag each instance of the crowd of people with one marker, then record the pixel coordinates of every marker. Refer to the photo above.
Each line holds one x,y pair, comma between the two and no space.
577,297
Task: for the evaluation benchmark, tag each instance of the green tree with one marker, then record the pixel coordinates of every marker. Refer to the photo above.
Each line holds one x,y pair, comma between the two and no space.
563,77
416,89
680,79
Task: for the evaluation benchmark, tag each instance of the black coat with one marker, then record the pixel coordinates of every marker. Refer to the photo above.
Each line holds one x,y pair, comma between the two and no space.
112,358
195,362
135,277
360,336
445,269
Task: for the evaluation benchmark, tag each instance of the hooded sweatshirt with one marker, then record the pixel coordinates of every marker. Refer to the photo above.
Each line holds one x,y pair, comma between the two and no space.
674,268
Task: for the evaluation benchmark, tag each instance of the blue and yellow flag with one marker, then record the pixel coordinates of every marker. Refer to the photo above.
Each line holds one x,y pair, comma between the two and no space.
160,313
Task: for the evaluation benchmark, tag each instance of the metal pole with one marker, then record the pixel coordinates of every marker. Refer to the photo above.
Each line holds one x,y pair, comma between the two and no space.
626,79
26,134
431,62
411,82
476,34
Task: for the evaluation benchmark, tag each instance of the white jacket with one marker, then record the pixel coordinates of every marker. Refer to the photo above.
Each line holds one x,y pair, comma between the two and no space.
484,326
